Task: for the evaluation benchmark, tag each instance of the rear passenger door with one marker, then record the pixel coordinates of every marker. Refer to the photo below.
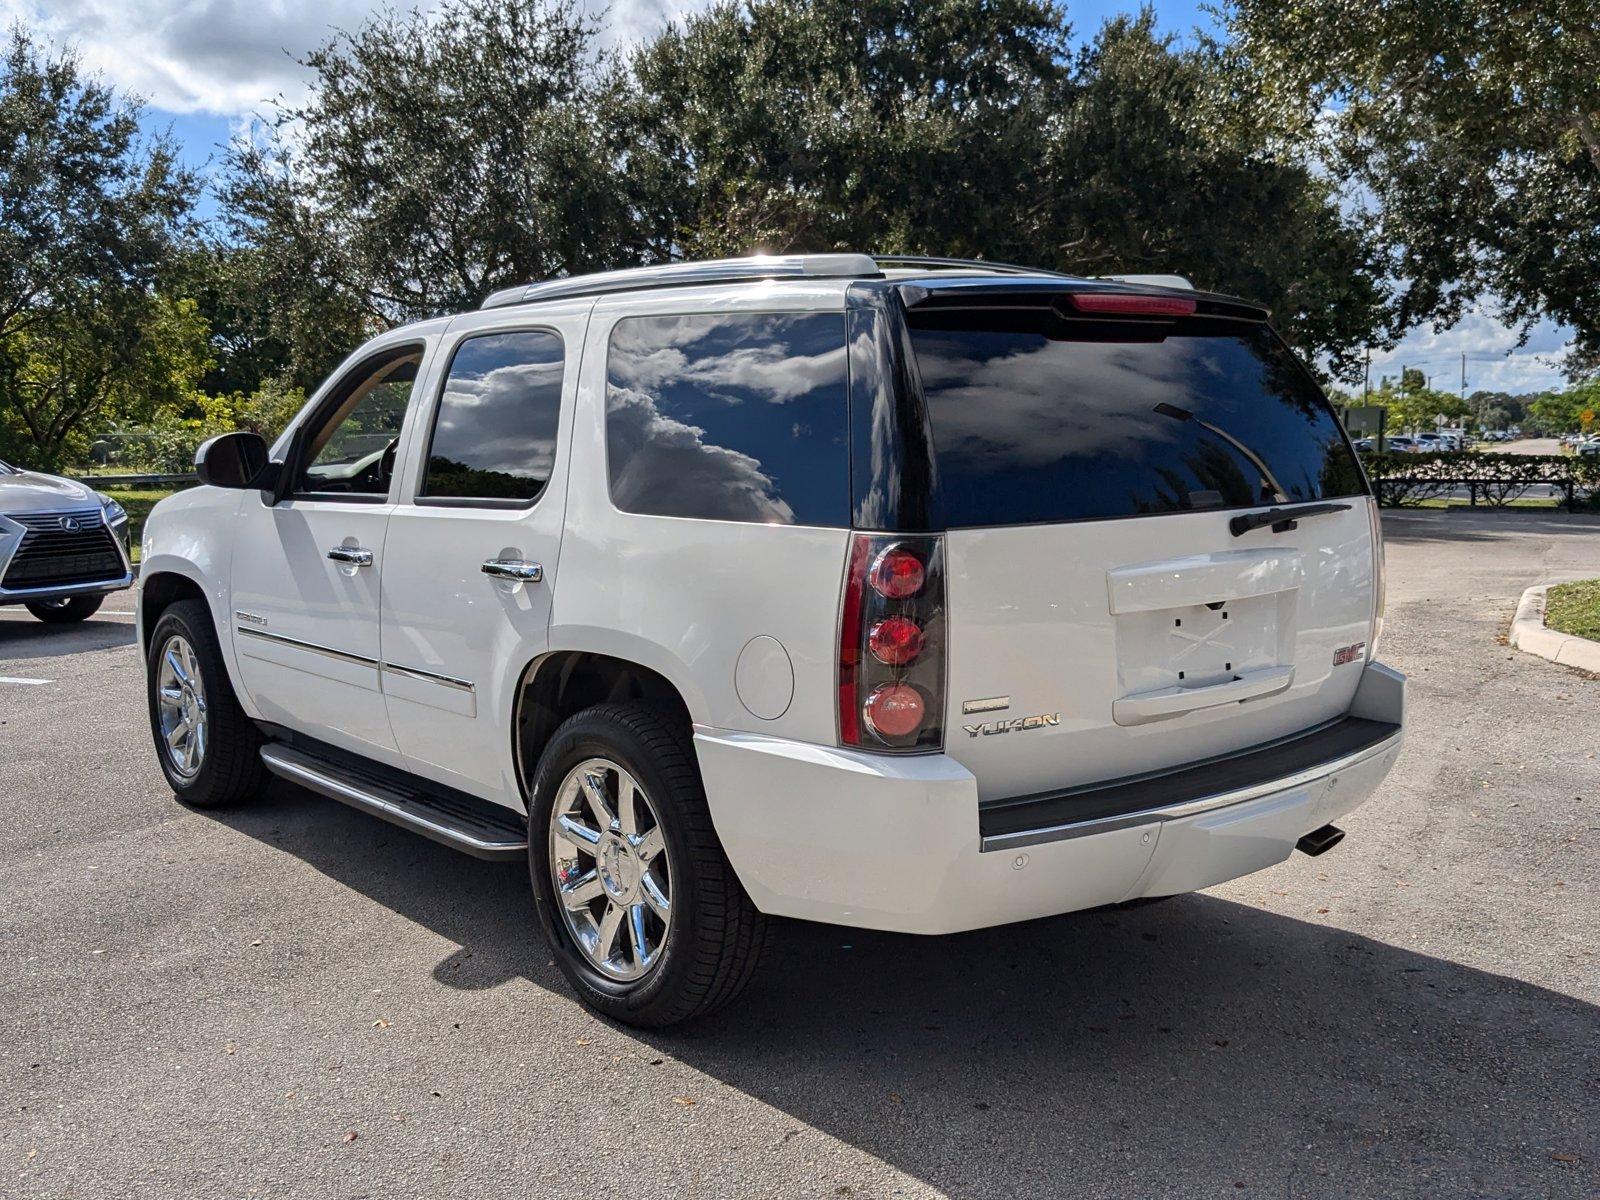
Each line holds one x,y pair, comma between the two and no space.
474,544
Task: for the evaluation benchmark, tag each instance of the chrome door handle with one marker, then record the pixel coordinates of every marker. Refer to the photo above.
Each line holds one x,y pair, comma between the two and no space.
515,569
353,556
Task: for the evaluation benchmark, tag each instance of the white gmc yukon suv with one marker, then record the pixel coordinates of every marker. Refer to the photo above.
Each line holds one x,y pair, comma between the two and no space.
908,594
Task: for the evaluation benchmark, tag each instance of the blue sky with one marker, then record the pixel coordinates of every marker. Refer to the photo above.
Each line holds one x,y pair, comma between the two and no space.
205,65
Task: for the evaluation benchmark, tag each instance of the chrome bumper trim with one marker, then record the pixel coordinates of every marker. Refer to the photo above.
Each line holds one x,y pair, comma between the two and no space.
58,591
1202,804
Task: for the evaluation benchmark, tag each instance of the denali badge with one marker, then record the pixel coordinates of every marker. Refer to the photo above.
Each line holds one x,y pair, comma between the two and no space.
991,704
245,618
1345,654
992,727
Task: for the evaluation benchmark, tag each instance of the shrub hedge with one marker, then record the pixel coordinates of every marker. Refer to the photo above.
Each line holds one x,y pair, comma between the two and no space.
1495,480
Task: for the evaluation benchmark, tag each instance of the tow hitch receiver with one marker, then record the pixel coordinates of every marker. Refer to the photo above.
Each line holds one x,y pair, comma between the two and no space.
1320,841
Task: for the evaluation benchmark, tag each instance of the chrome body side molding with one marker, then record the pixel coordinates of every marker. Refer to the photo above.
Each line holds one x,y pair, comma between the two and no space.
449,681
312,647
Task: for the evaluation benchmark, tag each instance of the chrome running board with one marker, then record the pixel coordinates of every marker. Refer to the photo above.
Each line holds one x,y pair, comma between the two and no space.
474,827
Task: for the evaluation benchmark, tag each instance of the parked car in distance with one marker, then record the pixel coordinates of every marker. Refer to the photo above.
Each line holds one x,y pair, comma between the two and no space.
1589,446
63,545
904,594
1401,444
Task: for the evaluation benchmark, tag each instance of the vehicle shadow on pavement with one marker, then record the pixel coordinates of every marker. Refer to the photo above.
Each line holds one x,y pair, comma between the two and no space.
21,640
1178,1048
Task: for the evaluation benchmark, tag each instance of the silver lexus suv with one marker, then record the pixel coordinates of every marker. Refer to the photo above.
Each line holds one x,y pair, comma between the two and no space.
63,546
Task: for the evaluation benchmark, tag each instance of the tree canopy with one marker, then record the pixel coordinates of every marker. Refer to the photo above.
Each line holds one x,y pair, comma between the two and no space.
1358,171
438,156
91,216
1474,128
948,127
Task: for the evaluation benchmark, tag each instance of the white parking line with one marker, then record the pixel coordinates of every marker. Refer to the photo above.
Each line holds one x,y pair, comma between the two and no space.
27,682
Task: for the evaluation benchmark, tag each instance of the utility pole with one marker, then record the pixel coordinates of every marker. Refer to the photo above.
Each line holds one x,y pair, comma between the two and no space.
1366,381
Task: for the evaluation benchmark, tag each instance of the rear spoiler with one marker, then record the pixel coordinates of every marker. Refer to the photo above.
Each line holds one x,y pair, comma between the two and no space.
1044,291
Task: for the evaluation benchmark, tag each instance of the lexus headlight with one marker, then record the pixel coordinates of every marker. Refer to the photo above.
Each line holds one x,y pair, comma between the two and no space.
115,514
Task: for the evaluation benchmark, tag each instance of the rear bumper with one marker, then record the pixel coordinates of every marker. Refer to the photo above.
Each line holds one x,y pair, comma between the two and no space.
831,835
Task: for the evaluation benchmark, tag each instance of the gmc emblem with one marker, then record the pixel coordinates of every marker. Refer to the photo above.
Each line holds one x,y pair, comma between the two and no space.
1345,654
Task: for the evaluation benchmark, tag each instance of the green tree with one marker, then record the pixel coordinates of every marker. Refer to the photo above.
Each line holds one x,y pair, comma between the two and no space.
436,157
90,218
263,329
1165,159
1476,126
132,359
1414,406
964,127
1574,409
806,125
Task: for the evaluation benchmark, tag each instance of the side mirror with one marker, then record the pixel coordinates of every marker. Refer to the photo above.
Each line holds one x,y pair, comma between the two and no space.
231,460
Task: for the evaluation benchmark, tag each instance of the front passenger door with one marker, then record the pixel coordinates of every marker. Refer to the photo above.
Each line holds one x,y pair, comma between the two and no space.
306,569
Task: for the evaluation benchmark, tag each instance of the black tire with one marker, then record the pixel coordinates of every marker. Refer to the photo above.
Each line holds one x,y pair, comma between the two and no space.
68,611
230,770
717,935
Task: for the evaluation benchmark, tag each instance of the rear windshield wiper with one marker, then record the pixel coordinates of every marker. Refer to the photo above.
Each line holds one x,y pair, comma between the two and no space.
1281,519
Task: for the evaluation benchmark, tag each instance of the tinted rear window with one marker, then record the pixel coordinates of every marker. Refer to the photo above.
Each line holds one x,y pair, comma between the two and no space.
1038,418
730,417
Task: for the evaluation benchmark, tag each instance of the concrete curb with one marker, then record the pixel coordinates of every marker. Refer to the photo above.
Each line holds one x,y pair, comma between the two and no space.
1529,634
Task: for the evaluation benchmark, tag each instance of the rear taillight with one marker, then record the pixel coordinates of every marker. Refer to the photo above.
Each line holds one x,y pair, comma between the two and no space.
891,644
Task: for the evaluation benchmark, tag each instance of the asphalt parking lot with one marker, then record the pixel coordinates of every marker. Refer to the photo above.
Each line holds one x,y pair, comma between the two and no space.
294,999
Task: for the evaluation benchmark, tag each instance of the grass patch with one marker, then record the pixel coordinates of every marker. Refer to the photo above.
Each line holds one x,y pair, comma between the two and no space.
138,503
1574,608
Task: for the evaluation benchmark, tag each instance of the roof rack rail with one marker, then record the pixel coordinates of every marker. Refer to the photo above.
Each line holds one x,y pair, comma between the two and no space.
691,274
965,264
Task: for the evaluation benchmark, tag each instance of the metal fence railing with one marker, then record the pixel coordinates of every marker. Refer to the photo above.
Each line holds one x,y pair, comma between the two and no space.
184,479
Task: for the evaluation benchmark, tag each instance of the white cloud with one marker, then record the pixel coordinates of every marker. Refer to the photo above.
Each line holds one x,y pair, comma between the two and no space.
230,57
1495,362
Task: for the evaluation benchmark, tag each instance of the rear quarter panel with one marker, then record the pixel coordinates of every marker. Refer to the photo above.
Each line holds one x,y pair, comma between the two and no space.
686,596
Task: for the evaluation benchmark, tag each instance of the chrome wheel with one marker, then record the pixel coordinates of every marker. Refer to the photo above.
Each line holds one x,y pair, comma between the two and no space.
181,707
612,875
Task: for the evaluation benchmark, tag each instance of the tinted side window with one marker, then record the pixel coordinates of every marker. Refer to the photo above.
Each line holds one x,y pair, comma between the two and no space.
737,417
494,437
1037,418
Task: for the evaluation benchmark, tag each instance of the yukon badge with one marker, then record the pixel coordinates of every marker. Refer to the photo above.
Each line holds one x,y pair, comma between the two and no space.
992,727
1347,654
